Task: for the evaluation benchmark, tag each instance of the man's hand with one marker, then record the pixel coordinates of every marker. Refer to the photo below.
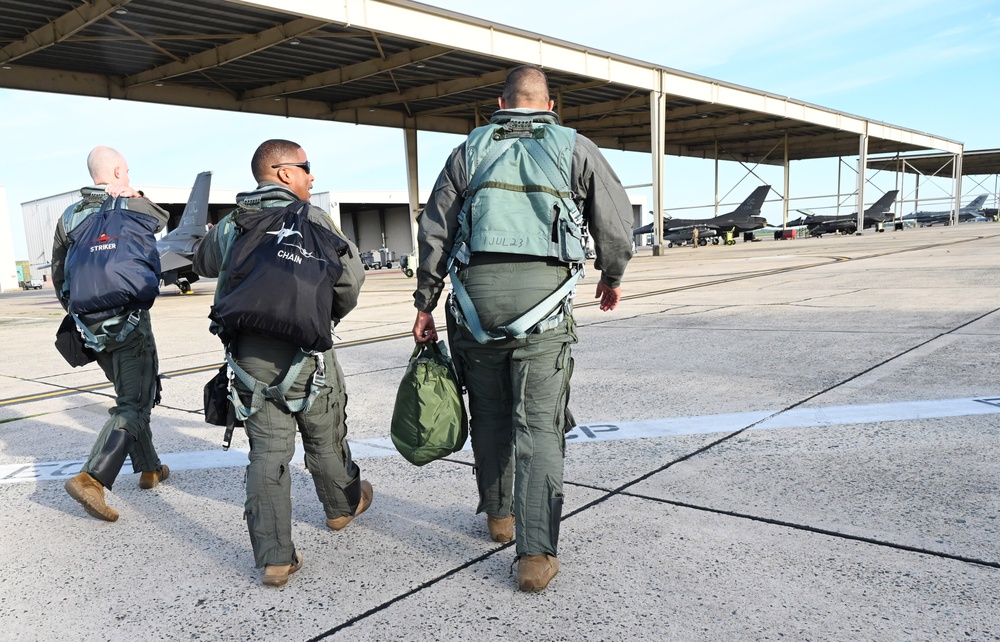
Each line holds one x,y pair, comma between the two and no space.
121,190
609,296
423,328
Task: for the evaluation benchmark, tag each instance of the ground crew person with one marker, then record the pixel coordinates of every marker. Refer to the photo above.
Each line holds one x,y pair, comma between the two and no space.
128,359
519,387
283,174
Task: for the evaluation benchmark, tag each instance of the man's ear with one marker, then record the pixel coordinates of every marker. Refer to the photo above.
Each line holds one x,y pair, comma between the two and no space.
282,175
502,103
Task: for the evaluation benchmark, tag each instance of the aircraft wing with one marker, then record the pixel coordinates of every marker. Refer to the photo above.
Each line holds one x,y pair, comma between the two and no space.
173,261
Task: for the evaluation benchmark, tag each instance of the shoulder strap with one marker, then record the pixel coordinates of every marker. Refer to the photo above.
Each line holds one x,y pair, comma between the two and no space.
481,169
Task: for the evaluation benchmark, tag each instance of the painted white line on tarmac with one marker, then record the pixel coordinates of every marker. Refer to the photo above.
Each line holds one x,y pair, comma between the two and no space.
587,433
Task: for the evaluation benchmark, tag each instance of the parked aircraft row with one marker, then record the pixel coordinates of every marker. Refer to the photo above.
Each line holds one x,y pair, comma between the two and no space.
746,218
966,213
875,215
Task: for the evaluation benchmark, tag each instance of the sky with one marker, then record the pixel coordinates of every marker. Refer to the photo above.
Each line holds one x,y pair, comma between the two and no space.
925,65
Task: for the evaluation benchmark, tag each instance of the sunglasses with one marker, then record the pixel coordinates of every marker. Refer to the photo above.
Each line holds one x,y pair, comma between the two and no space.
306,166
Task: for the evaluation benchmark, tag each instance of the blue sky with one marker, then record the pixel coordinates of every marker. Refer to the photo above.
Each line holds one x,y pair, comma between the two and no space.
927,65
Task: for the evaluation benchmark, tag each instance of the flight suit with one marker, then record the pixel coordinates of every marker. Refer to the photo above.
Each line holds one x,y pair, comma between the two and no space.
271,430
130,363
519,388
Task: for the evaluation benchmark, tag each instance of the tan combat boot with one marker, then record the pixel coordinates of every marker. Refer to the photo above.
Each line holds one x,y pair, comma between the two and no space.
534,572
150,478
90,493
278,575
338,523
501,528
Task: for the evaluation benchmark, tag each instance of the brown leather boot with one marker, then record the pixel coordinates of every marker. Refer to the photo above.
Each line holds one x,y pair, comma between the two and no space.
534,572
150,478
278,575
367,493
90,493
501,528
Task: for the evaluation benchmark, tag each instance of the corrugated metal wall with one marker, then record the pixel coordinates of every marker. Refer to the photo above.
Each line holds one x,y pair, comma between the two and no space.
40,218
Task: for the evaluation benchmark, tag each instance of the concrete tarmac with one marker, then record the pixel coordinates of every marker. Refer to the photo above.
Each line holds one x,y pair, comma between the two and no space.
779,440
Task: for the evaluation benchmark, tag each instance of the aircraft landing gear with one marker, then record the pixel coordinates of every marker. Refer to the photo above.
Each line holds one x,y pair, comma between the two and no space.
715,240
703,242
184,286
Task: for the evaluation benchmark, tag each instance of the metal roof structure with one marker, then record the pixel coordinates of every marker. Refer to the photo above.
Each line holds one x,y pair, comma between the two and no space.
399,63
974,163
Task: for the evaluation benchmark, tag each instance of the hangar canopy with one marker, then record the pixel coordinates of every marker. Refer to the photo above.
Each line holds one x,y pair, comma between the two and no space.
974,163
403,64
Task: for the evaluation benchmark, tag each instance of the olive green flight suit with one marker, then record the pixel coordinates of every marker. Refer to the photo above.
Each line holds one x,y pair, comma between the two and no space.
518,391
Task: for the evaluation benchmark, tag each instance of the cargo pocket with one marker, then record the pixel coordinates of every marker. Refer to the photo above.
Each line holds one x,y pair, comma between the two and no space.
571,247
566,367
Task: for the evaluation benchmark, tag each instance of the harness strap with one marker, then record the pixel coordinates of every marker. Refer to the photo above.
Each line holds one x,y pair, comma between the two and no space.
548,309
537,152
480,171
96,342
261,391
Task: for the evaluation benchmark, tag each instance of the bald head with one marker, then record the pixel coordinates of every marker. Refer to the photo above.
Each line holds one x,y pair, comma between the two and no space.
526,88
107,166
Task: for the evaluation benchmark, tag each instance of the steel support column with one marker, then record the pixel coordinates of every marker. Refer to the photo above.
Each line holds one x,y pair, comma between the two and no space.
784,200
413,191
657,107
716,199
862,165
957,201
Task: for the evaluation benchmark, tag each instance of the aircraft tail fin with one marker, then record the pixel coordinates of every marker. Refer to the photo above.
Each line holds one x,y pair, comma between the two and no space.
976,204
751,206
196,211
882,204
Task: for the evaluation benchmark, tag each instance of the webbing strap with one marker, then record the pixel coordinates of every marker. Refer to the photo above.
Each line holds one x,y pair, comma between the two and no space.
480,170
261,391
519,328
536,151
96,341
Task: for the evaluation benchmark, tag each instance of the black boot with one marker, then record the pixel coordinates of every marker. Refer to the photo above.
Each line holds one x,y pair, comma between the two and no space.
109,461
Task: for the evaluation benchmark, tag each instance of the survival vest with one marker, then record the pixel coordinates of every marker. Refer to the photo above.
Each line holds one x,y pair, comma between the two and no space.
112,264
276,278
519,201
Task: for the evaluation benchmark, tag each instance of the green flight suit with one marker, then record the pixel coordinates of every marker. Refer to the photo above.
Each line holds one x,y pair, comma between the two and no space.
131,364
518,389
271,430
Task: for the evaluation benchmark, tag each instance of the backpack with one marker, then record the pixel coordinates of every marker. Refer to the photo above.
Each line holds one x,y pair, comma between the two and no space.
279,269
112,266
429,419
